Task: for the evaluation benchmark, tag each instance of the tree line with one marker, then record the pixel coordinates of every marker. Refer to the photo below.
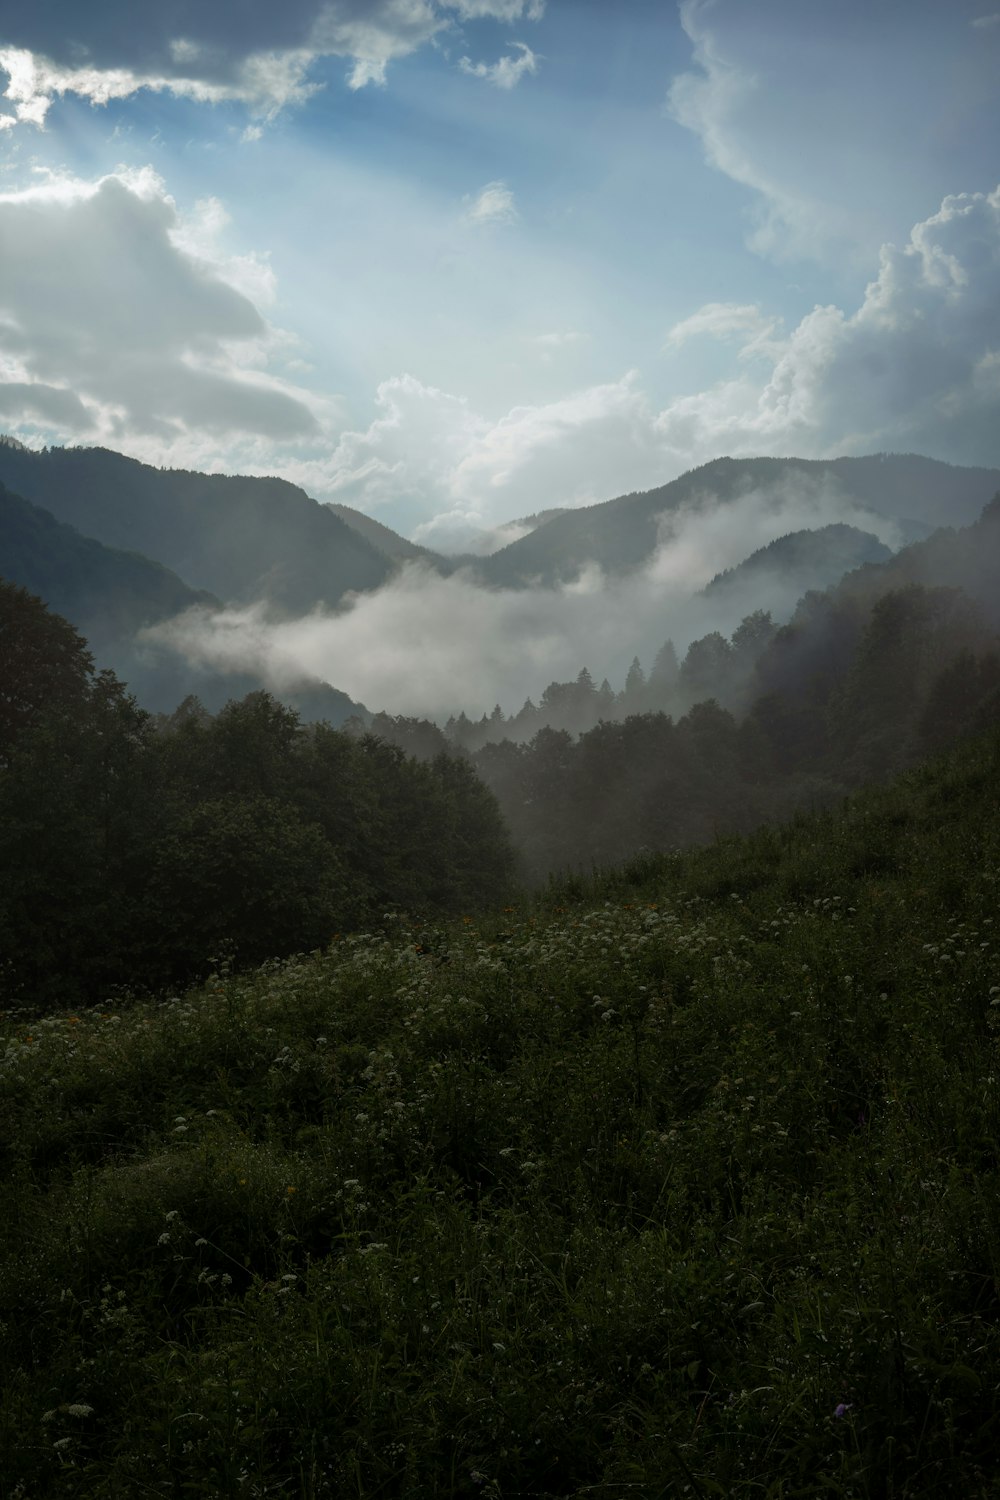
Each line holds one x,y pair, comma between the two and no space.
136,849
892,664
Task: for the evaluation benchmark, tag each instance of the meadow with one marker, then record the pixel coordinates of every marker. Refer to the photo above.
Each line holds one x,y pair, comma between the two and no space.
679,1181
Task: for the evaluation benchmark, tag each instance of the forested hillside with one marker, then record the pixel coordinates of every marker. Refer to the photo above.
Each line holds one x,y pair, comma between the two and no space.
113,597
683,1183
898,659
135,851
242,539
810,559
622,534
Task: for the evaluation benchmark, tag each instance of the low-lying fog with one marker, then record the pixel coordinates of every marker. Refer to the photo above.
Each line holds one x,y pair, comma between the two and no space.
431,646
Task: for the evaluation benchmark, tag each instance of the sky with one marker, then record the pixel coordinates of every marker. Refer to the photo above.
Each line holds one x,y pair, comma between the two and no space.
452,262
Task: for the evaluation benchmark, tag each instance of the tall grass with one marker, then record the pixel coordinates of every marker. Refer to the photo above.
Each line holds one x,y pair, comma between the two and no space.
684,1182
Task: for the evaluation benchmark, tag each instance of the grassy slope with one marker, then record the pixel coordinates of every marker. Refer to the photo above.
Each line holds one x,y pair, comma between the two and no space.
684,1183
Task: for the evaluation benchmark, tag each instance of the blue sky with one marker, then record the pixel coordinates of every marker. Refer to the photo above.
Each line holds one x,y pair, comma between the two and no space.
452,263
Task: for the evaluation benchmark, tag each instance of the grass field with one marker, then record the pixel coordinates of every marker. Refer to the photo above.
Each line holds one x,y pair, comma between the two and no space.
680,1182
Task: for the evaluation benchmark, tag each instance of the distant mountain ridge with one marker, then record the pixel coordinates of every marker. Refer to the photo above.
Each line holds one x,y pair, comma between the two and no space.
243,539
805,559
112,597
622,534
105,592
234,540
390,542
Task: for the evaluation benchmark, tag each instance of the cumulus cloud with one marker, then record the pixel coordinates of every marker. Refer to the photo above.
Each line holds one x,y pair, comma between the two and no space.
508,72
915,366
721,102
493,204
445,472
123,321
120,320
258,54
50,405
424,644
725,320
765,94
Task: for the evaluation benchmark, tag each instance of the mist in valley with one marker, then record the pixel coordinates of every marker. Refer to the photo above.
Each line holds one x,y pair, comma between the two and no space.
435,646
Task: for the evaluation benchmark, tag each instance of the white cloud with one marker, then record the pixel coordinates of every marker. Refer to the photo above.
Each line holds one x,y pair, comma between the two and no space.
110,295
444,473
984,23
265,82
842,131
720,102
498,10
558,340
508,72
493,204
916,366
724,320
551,345
424,644
127,322
262,60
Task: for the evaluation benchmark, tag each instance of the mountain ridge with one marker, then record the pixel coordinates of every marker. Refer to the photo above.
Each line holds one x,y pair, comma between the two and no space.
622,533
241,538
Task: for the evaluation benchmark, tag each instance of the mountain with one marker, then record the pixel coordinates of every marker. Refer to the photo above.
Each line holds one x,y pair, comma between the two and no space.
111,596
242,539
619,535
384,538
107,593
540,518
800,561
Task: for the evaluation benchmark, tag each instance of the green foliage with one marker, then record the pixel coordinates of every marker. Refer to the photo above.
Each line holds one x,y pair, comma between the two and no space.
683,1181
132,857
859,684
44,664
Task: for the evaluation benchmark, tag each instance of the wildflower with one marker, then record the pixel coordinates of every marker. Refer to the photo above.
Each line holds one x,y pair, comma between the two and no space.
79,1409
290,1189
842,1408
